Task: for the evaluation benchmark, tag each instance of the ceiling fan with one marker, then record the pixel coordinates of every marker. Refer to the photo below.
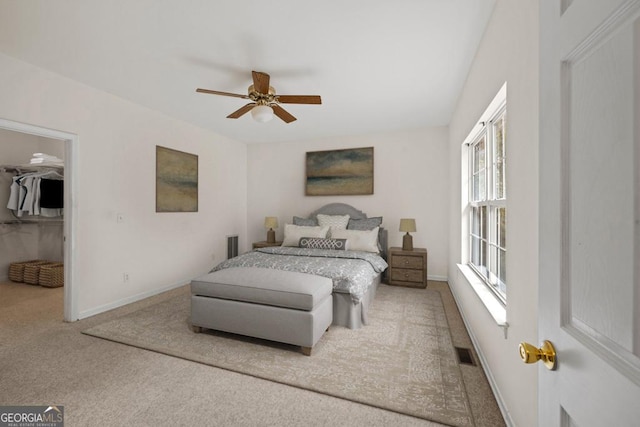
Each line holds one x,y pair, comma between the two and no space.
264,101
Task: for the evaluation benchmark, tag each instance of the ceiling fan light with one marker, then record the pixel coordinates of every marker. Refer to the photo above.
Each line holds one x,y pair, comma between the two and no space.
262,113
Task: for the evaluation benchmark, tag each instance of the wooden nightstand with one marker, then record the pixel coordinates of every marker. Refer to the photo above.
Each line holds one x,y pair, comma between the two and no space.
265,244
408,268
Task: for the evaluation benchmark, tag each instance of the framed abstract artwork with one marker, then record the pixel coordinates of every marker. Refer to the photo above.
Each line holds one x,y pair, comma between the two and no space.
176,181
340,172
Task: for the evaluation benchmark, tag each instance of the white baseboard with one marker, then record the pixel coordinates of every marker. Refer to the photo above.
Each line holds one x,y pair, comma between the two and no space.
437,278
129,300
485,366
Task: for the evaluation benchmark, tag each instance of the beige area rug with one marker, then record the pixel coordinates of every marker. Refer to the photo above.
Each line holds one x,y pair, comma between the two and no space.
403,361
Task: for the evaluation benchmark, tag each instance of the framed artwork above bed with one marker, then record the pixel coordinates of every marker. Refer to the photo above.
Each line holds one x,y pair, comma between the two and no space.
339,172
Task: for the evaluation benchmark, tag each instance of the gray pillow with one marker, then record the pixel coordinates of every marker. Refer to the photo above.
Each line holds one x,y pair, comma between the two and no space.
364,224
305,222
319,243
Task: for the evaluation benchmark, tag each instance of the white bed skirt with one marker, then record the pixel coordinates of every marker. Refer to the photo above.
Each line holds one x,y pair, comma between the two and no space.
350,315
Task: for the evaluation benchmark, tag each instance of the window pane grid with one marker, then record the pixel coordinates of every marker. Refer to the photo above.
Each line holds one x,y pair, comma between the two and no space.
487,201
478,175
499,156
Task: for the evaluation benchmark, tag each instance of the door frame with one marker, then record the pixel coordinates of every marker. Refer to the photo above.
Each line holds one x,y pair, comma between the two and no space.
70,206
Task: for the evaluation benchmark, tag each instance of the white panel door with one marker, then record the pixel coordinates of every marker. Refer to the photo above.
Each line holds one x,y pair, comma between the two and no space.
589,301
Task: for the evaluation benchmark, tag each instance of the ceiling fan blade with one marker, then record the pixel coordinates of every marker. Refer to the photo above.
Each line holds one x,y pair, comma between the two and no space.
216,92
300,99
260,81
243,110
282,113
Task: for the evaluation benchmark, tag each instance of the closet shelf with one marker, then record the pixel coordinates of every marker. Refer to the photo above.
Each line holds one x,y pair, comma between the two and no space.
31,167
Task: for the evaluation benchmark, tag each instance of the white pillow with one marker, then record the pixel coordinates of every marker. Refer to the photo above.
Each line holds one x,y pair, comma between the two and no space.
333,221
293,233
359,240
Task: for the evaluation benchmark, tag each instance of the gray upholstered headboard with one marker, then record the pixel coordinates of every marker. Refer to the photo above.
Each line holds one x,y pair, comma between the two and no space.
344,209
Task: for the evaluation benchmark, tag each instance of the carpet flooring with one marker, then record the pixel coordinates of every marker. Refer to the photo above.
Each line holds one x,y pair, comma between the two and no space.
403,361
44,360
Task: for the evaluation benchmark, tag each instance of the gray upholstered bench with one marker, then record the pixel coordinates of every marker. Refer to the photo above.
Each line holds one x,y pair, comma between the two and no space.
288,307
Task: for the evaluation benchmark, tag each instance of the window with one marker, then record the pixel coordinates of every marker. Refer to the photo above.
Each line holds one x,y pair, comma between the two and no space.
487,200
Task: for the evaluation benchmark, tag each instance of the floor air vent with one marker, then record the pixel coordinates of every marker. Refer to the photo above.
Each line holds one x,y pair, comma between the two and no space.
232,246
464,356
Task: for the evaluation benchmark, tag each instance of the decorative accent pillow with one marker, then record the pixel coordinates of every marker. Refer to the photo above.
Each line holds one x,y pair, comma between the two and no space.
307,222
333,221
359,240
318,243
364,224
293,233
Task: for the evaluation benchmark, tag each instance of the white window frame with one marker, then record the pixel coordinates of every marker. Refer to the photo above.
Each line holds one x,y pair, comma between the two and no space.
492,203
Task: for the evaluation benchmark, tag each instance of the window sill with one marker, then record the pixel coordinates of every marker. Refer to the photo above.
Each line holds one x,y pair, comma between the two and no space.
489,300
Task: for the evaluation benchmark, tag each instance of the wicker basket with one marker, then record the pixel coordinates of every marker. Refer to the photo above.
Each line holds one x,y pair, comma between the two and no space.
16,269
52,275
32,272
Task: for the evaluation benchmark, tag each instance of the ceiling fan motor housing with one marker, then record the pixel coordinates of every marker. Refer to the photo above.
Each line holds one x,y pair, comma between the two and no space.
262,98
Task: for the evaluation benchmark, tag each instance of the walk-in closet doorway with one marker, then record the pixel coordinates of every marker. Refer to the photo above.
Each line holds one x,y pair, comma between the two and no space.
70,142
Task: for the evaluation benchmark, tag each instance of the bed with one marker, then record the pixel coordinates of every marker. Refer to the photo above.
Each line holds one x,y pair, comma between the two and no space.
356,274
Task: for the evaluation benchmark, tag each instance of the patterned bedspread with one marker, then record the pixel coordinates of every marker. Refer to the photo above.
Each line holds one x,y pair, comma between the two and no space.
351,271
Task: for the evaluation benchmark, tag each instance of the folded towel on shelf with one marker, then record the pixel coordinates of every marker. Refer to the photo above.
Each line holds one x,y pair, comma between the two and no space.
40,158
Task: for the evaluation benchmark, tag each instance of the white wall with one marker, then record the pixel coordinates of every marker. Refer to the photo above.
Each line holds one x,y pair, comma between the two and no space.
116,164
508,52
410,180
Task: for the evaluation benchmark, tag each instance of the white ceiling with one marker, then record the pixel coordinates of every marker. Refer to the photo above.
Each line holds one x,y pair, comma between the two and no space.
378,65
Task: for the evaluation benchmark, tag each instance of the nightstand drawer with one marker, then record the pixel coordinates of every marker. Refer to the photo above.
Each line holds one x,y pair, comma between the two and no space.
402,261
405,275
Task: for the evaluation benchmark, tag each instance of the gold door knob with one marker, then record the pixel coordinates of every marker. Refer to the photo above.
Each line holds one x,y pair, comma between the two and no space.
531,354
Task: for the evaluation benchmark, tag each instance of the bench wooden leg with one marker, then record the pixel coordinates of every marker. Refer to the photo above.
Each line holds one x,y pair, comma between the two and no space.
196,329
306,351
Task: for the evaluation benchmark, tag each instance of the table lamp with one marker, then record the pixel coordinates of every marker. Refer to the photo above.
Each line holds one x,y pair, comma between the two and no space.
271,222
407,225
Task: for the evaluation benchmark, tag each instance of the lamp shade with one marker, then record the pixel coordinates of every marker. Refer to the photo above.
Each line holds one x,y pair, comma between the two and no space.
262,113
408,225
271,222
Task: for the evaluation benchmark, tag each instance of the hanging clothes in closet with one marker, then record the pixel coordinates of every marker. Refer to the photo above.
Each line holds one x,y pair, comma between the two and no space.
37,193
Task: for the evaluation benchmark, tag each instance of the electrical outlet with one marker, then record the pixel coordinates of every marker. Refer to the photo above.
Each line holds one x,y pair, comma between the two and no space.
125,277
